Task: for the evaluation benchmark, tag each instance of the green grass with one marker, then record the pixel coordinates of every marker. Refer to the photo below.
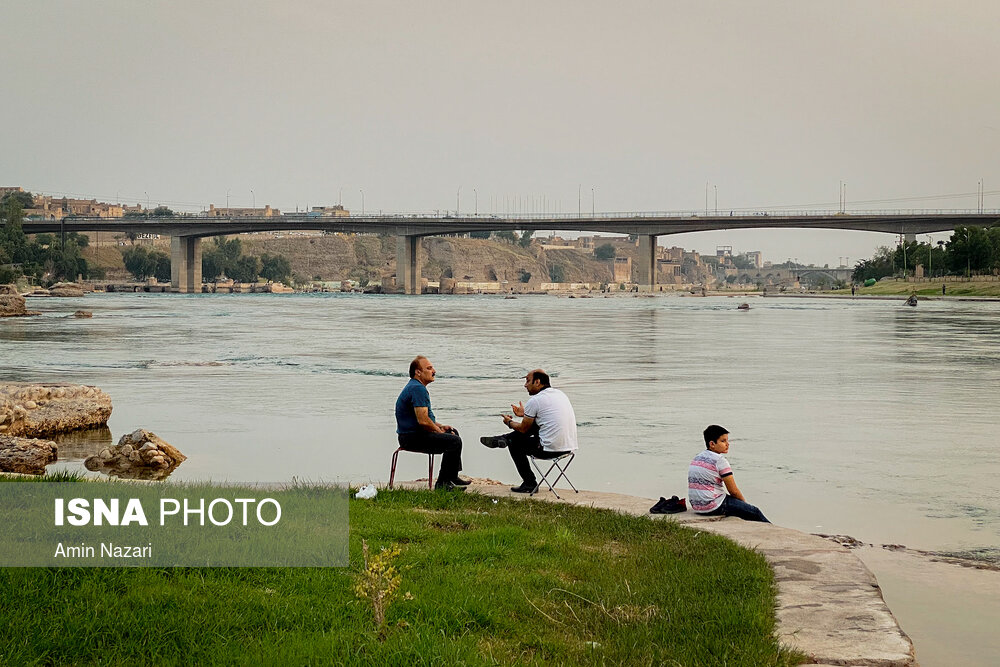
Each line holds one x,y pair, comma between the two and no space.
932,288
483,582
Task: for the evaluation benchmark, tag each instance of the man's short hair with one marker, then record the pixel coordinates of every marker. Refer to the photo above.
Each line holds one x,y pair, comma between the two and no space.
541,376
713,433
415,364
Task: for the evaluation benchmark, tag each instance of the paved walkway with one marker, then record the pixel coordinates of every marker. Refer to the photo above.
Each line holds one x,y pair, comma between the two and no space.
829,604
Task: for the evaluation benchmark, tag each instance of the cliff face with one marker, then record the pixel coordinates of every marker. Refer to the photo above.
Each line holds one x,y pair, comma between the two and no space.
338,257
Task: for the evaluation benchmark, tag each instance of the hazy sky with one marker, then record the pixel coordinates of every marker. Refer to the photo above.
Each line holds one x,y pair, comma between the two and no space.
770,103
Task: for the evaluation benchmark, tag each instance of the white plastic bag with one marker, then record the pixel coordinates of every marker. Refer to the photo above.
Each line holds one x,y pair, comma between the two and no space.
366,492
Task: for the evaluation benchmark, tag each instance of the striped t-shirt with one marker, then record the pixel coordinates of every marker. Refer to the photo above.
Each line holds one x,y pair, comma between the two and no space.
705,489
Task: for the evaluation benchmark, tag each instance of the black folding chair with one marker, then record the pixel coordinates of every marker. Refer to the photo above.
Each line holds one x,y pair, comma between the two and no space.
556,459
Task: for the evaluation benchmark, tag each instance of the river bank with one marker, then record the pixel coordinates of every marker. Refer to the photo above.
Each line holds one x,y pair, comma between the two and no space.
463,579
842,601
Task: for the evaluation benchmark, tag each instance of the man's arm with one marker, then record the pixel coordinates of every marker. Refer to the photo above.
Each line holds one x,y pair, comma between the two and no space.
424,419
731,487
522,426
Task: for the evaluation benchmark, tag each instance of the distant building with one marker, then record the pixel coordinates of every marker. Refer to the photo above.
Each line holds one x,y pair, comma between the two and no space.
336,211
756,257
53,208
668,271
10,189
266,212
623,270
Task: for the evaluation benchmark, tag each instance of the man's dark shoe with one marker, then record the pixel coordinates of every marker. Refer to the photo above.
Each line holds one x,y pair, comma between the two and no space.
494,441
525,487
447,486
458,481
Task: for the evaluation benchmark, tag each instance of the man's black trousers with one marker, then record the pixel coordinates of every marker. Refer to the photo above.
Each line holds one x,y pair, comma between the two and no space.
449,445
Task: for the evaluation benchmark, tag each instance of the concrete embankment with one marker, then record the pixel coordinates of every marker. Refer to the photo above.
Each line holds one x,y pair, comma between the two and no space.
830,606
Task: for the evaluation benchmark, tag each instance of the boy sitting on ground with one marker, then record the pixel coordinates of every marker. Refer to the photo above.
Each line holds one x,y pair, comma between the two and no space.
710,477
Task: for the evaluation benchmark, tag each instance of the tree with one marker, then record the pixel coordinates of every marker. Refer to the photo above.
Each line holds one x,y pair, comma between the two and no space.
13,241
162,270
557,273
479,235
969,250
879,266
525,276
525,239
162,212
246,269
81,240
139,262
276,268
43,239
212,264
24,199
605,252
508,236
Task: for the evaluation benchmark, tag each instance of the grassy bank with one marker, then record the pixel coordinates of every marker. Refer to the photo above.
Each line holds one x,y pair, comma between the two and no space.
482,582
974,287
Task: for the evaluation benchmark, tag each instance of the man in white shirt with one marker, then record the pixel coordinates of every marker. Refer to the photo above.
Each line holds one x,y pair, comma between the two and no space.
546,428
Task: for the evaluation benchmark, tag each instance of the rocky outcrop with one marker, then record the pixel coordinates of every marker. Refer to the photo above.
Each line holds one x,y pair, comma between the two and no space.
138,455
27,456
81,314
39,410
65,289
12,303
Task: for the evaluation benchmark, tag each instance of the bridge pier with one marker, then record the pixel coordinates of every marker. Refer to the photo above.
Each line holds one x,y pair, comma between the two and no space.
407,265
185,264
647,262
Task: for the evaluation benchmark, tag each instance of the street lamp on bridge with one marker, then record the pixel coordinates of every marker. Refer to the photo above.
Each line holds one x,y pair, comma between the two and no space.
362,201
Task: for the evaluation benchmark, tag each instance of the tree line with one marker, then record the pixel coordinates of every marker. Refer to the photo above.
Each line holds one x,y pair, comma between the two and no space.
969,251
224,258
47,258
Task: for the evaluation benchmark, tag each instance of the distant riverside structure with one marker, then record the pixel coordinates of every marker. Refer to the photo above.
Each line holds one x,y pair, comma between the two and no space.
227,212
653,264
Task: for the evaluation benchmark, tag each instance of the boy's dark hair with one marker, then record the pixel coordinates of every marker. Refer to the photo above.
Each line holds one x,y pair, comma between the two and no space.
713,433
415,364
542,377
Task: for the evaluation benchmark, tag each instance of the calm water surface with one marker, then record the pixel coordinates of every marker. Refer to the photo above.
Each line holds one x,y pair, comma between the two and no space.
857,417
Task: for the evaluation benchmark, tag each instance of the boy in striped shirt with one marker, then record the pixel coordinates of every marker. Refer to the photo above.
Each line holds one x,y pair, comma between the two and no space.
710,477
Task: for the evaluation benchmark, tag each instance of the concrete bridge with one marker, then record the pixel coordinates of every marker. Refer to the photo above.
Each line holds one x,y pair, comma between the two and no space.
186,231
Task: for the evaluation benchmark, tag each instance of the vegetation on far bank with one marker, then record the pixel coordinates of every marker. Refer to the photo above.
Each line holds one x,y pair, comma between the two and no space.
969,252
954,287
475,581
46,258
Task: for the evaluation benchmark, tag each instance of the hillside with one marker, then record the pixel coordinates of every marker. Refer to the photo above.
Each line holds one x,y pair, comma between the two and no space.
338,257
334,257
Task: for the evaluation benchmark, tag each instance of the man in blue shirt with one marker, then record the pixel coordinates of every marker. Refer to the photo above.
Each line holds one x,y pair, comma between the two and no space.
419,432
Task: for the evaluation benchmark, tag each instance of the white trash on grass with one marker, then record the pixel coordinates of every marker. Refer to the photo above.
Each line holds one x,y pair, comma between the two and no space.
366,492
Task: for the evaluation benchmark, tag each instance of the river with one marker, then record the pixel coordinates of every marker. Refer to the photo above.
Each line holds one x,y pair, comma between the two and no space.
853,417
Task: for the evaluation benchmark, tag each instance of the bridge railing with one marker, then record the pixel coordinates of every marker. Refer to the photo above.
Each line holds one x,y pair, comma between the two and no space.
486,218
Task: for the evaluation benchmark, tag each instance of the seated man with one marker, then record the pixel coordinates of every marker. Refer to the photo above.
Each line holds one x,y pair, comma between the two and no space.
707,474
418,432
546,430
